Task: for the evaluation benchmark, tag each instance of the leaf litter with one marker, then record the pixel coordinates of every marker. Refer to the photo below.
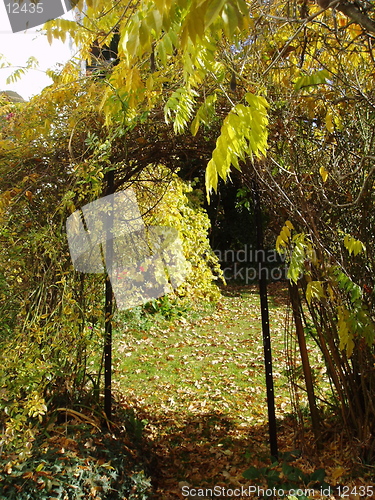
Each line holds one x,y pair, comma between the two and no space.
200,387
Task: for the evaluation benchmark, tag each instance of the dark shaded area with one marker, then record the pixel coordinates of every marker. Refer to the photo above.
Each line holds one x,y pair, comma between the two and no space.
104,56
232,222
208,450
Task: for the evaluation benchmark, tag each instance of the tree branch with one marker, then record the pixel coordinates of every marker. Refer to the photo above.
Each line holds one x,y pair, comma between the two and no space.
354,13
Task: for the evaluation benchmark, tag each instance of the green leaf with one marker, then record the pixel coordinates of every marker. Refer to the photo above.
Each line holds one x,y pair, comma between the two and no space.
213,11
252,473
296,266
344,331
317,78
318,475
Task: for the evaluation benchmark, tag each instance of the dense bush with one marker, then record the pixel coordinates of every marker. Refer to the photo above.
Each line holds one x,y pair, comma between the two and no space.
52,319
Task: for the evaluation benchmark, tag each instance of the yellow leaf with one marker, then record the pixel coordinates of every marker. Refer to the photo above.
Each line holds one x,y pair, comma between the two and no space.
355,30
345,334
329,122
338,472
314,290
29,195
211,178
283,237
194,127
323,173
353,245
285,233
358,247
331,293
49,36
6,144
213,11
342,22
279,243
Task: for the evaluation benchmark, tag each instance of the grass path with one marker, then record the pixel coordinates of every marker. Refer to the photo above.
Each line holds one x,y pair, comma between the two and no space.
199,387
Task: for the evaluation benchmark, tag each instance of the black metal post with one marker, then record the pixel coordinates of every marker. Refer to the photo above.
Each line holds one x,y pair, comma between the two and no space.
108,308
265,320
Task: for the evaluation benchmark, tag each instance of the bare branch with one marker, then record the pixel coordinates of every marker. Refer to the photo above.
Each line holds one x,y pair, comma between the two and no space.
354,13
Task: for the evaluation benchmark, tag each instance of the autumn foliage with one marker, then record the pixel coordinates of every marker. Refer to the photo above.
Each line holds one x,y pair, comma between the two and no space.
279,92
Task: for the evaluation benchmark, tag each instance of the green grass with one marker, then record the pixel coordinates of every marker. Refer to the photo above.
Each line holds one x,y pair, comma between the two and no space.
214,363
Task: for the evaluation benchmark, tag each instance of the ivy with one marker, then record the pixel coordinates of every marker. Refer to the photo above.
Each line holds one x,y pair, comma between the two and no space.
282,475
58,468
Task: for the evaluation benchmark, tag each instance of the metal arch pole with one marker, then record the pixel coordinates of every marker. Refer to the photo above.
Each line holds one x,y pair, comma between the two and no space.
265,322
108,311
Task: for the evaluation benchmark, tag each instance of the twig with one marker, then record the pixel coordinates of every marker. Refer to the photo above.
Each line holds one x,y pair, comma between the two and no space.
306,21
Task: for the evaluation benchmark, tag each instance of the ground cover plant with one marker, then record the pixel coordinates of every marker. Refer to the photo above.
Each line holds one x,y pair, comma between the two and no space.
73,458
